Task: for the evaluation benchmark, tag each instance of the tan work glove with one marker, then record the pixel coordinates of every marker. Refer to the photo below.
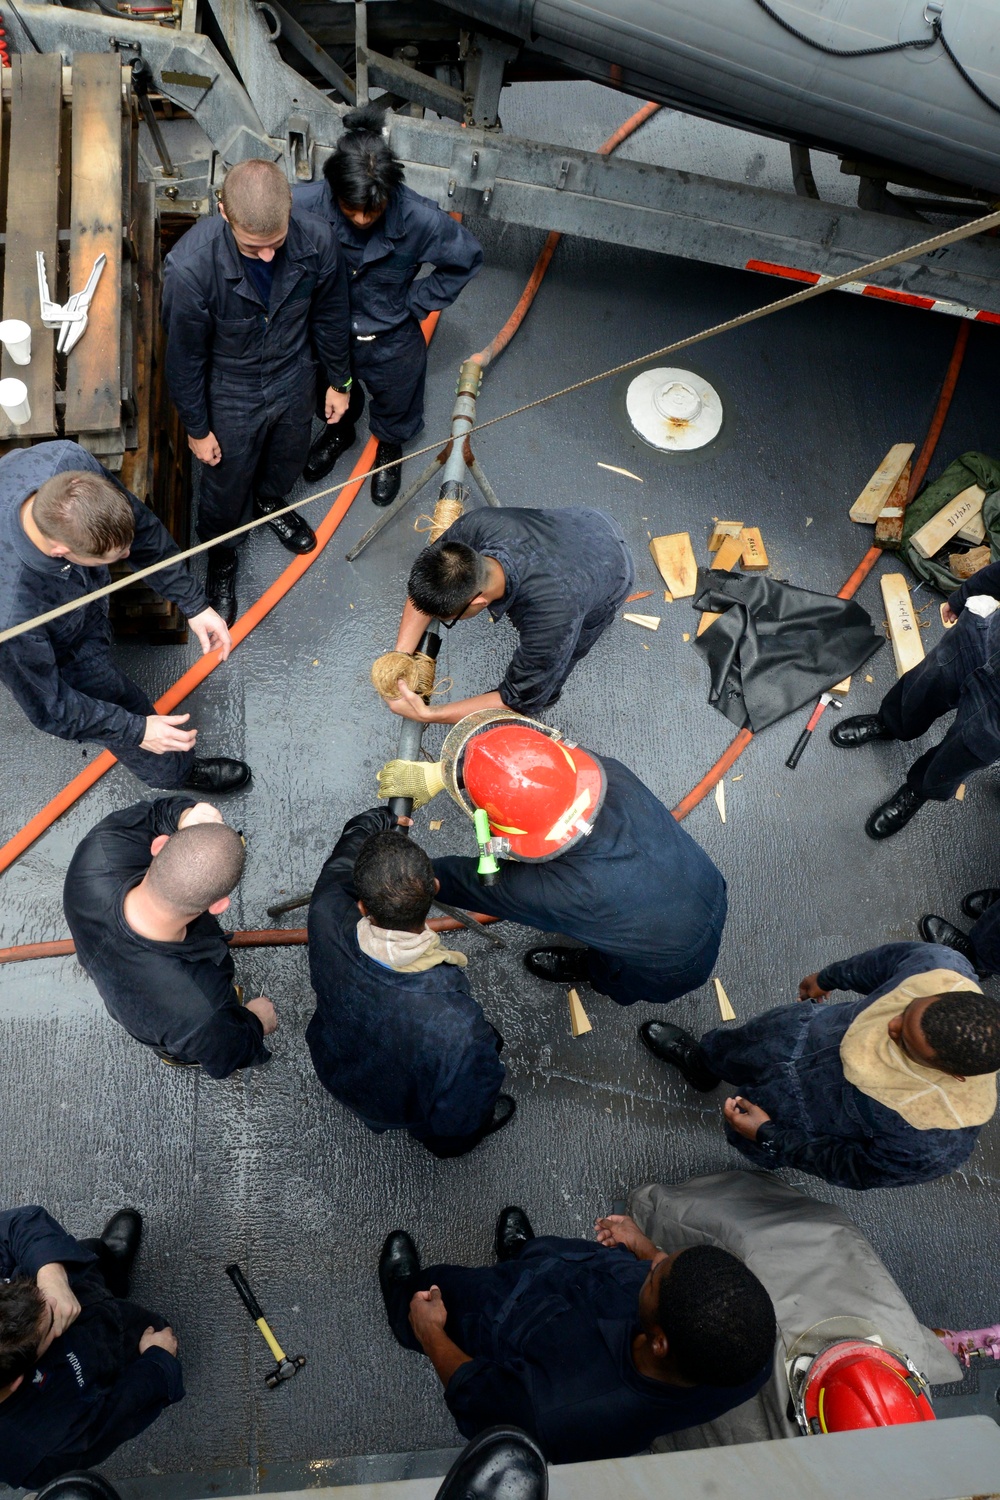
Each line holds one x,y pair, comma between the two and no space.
418,779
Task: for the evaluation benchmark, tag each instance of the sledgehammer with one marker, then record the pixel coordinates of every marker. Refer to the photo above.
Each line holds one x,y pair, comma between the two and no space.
285,1367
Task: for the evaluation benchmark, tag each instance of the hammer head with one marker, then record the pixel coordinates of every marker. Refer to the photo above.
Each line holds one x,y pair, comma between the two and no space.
284,1371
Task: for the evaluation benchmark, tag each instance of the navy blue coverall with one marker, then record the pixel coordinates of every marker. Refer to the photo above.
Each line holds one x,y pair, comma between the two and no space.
92,1389
402,1051
962,672
550,1338
178,998
787,1061
639,891
568,573
388,351
245,369
62,674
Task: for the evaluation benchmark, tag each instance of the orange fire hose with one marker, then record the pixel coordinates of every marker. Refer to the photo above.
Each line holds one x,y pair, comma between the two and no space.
265,937
857,578
205,665
498,344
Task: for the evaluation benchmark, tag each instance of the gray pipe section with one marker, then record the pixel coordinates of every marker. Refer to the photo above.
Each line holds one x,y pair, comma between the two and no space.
729,60
453,487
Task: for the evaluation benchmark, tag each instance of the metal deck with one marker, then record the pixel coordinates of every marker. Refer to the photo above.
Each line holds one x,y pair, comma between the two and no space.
266,1168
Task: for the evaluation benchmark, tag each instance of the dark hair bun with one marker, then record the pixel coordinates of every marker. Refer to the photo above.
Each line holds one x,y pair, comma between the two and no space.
369,119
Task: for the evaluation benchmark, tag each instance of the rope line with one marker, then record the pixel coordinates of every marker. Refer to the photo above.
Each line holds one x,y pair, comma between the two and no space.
884,263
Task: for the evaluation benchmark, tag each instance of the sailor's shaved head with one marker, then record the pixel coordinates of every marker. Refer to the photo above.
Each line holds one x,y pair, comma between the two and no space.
197,867
257,198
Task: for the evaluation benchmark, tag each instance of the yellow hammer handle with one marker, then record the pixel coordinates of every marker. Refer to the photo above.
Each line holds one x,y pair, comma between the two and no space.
272,1342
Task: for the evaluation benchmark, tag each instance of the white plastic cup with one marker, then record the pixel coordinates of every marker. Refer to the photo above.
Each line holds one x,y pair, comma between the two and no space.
14,400
16,339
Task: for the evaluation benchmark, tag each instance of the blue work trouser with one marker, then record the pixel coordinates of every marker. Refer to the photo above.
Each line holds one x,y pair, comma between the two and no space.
985,940
961,673
91,670
264,442
393,369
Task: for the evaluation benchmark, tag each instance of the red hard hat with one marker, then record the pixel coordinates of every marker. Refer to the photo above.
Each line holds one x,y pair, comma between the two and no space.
855,1383
539,793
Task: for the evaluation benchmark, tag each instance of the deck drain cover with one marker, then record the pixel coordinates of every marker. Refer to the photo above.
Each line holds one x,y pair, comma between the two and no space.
675,410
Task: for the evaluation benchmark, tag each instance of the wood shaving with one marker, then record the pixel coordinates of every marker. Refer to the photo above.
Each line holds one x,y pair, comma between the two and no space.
614,469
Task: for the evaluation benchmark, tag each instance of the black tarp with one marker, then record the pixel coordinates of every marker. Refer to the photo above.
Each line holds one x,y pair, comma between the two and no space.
776,647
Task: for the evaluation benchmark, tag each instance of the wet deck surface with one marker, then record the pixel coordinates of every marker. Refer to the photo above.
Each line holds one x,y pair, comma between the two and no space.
266,1168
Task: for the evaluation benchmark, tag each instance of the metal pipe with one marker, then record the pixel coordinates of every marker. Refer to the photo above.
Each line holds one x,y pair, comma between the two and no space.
412,732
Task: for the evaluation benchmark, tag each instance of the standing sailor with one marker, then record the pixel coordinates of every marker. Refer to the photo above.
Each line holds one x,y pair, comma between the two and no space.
253,300
386,232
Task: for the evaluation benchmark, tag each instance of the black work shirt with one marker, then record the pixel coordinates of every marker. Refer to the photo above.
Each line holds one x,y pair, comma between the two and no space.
261,273
383,261
177,997
31,583
92,1390
566,572
550,1335
224,338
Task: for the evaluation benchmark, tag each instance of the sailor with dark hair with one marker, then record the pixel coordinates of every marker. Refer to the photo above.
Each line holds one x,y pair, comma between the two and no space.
386,232
887,1091
63,521
82,1369
560,577
594,1350
396,1036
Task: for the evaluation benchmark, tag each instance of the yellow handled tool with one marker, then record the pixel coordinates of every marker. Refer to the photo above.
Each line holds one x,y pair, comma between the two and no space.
285,1367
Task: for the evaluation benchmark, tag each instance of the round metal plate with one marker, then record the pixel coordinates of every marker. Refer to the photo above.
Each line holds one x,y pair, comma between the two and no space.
674,410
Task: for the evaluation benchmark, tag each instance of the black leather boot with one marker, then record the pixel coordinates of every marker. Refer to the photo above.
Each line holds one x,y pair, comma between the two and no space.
559,965
220,581
385,486
86,1484
334,440
942,932
120,1237
216,775
512,1233
978,902
291,530
398,1265
895,813
859,729
500,1463
504,1111
672,1044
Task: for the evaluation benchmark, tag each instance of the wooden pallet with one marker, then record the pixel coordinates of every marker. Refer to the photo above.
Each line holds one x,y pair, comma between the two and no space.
69,187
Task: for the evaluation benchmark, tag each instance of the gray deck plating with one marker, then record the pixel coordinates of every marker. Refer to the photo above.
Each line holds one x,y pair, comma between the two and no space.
266,1168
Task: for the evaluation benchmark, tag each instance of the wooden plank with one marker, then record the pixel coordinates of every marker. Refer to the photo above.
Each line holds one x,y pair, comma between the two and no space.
578,1019
728,554
754,554
889,526
869,503
720,531
674,556
32,224
725,1008
941,528
973,531
93,371
904,633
